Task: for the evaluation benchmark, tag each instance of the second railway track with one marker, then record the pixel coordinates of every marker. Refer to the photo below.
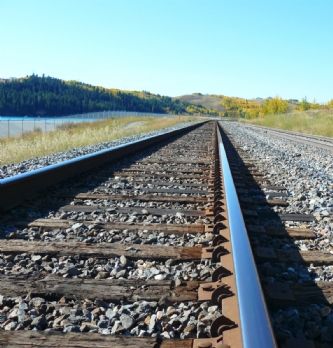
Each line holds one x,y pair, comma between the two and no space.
321,142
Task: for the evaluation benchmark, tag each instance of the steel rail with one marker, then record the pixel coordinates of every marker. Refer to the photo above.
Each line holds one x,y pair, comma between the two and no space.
254,319
15,189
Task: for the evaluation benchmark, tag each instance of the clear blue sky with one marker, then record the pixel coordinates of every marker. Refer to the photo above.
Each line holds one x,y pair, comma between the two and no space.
247,48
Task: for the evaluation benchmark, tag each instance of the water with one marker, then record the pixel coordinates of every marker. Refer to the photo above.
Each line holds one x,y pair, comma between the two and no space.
48,118
17,125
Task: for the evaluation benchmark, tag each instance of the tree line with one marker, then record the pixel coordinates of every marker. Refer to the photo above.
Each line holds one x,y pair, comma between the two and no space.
244,108
40,95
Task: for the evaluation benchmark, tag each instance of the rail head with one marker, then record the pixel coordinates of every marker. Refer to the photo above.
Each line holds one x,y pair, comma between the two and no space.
256,327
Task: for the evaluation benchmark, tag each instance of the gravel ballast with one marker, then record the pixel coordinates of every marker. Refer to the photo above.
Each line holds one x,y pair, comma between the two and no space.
111,268
142,318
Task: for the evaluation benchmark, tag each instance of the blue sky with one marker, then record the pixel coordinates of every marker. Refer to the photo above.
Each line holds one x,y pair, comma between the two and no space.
244,48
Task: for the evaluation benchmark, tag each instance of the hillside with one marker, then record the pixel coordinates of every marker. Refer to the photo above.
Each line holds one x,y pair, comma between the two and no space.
38,96
251,108
208,101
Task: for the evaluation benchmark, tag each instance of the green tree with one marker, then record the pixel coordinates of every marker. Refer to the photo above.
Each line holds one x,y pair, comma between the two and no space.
35,95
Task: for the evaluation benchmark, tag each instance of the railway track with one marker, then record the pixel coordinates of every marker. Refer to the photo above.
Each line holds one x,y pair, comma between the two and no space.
126,255
147,246
302,138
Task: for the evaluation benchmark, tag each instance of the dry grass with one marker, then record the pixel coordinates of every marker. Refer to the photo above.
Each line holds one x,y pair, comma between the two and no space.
311,122
37,144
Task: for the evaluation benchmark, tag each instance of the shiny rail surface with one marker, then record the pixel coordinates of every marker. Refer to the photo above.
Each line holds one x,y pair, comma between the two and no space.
255,323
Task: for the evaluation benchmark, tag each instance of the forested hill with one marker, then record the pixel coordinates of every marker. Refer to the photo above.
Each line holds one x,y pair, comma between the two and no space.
34,95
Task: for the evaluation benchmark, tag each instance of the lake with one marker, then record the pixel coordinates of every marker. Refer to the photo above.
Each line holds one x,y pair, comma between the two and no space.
17,125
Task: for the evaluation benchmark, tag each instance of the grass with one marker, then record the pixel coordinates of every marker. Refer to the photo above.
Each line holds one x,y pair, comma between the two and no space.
316,122
37,144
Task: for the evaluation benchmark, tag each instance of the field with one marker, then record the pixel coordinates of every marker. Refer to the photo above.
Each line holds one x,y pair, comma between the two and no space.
67,137
311,122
